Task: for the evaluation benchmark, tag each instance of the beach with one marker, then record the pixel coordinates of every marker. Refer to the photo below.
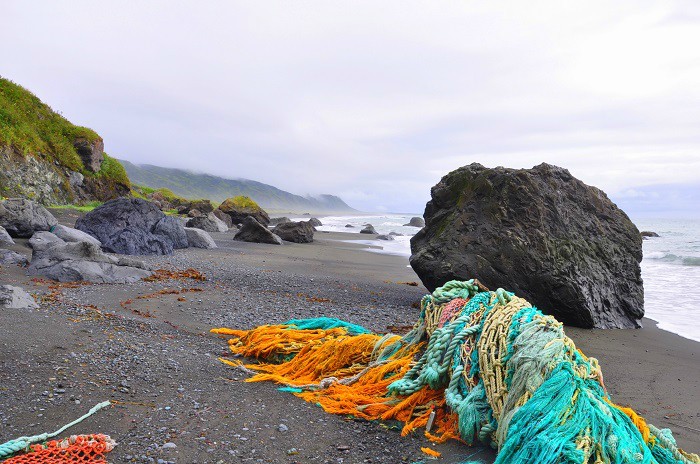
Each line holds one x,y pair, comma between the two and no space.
147,347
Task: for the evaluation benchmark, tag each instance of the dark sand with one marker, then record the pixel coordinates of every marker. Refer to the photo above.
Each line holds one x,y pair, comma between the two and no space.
156,358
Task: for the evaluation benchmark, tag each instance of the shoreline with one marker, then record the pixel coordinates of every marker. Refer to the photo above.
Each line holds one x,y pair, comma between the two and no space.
152,353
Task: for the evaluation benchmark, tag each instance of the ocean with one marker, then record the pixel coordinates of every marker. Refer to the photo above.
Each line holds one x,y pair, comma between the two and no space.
670,268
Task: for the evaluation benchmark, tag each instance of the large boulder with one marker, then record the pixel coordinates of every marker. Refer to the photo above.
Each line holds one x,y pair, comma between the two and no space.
91,152
43,240
252,231
198,238
241,207
21,217
84,261
5,239
541,233
315,222
16,298
208,223
173,228
127,226
416,222
223,217
279,220
68,234
298,232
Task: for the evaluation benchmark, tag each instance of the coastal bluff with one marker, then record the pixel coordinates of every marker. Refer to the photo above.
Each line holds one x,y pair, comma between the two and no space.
540,233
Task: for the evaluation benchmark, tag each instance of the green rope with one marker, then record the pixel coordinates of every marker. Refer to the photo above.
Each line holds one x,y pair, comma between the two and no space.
22,443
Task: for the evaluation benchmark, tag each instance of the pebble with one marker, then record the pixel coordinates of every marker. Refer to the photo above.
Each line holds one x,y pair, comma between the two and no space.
282,428
169,445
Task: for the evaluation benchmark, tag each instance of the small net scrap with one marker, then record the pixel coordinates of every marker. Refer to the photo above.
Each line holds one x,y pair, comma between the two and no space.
84,449
478,365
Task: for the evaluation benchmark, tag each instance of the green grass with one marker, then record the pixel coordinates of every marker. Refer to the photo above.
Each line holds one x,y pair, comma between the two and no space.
113,169
33,127
242,202
87,207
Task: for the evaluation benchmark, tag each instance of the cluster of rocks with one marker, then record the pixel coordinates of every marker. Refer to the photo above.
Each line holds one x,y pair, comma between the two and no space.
541,233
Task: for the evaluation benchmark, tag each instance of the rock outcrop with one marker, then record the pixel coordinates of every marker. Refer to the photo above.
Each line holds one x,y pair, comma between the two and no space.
16,298
239,208
541,233
9,257
315,222
648,233
84,261
21,217
368,229
279,220
387,237
297,232
91,152
416,222
225,218
208,223
252,231
68,234
128,226
198,238
173,228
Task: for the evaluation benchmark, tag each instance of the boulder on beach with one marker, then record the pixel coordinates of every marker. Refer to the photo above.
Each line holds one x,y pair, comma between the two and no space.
9,257
42,240
198,238
12,297
84,261
5,239
223,217
387,237
349,226
648,233
252,231
541,233
21,217
127,226
315,222
173,228
369,229
208,223
241,207
416,222
395,234
68,234
297,232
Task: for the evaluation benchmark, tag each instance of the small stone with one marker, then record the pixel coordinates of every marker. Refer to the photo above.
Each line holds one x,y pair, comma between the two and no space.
282,428
169,445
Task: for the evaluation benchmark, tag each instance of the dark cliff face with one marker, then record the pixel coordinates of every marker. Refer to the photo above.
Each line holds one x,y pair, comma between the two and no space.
540,233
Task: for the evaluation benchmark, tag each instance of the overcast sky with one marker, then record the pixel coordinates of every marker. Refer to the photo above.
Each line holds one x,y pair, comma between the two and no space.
375,101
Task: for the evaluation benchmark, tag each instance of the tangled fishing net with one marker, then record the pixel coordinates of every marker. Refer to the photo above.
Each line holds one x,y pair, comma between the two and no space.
84,449
478,364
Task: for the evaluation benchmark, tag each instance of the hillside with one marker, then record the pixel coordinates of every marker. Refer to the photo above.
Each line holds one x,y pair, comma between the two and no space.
193,185
47,158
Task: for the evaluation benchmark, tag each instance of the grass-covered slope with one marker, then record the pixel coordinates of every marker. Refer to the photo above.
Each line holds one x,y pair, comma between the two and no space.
38,153
193,185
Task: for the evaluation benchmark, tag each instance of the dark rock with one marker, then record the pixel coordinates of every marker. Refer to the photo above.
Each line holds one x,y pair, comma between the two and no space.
315,222
91,152
388,237
349,225
16,298
648,233
369,229
172,228
279,220
21,217
208,223
223,217
84,261
203,206
5,239
297,232
239,208
416,222
198,238
395,234
8,257
252,231
126,225
540,233
195,213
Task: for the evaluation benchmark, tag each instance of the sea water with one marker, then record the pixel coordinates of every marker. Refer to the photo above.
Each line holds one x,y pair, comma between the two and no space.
670,268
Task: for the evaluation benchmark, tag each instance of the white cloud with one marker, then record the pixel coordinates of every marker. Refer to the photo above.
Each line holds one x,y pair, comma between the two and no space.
373,100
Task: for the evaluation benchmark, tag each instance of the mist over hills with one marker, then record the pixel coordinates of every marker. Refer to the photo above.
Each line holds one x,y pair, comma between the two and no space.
196,185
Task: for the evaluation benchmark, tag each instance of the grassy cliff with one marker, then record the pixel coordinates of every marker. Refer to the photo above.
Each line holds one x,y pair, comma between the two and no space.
39,156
